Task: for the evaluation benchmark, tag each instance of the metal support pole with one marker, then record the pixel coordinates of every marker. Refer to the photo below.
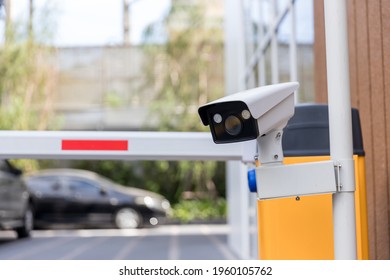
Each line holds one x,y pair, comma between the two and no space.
293,49
7,7
340,127
126,22
274,44
31,20
249,48
237,197
260,38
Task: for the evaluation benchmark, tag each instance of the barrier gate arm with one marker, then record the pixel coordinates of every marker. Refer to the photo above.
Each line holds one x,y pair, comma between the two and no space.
106,145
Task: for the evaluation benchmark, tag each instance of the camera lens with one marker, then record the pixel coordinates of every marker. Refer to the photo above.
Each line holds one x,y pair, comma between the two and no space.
233,125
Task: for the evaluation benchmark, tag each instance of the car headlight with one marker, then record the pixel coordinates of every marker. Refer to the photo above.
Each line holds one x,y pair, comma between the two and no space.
153,203
165,205
145,200
150,202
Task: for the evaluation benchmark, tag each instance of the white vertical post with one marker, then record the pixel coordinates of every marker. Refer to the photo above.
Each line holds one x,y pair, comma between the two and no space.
274,43
293,49
250,80
340,127
126,22
260,38
237,190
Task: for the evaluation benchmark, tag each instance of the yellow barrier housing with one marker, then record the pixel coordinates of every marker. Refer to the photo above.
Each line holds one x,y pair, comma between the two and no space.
302,227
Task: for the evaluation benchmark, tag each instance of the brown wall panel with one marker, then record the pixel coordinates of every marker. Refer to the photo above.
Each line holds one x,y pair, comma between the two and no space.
369,43
379,129
320,85
385,9
363,86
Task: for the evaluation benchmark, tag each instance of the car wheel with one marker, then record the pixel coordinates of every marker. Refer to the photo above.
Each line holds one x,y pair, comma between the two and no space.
127,218
28,224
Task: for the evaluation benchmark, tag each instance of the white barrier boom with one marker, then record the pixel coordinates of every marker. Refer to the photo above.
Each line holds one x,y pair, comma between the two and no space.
119,146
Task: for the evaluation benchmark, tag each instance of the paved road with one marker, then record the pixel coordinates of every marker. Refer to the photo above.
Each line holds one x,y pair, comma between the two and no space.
171,242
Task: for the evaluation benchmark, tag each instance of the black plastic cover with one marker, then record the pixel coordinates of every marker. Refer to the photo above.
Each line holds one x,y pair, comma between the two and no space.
307,132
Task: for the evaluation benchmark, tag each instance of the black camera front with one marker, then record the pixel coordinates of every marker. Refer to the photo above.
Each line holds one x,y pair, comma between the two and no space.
230,122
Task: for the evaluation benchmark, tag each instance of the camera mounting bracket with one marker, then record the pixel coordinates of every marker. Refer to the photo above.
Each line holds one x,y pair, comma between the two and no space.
270,147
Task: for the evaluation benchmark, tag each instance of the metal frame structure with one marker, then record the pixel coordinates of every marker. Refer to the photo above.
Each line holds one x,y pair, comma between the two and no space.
242,60
339,96
269,40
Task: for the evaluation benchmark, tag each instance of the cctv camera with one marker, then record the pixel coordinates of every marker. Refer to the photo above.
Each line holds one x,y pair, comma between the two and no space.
249,114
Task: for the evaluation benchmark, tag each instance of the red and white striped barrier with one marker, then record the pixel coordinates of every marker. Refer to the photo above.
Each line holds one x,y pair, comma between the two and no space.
120,146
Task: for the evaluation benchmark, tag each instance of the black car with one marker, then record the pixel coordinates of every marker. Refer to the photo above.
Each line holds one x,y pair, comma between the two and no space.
72,196
16,212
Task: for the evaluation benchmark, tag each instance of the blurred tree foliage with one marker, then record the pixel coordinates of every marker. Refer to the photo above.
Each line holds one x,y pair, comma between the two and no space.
200,210
26,84
185,72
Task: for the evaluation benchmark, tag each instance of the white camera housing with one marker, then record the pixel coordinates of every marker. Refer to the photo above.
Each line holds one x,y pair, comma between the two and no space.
249,114
260,113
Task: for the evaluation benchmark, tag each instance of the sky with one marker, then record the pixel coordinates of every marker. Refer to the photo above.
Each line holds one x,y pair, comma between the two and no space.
95,22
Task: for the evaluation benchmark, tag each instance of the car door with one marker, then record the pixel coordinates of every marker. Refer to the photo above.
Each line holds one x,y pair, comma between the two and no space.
88,202
17,191
50,198
4,196
13,195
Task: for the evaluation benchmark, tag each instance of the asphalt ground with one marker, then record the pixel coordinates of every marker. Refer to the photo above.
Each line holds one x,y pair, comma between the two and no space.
169,242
